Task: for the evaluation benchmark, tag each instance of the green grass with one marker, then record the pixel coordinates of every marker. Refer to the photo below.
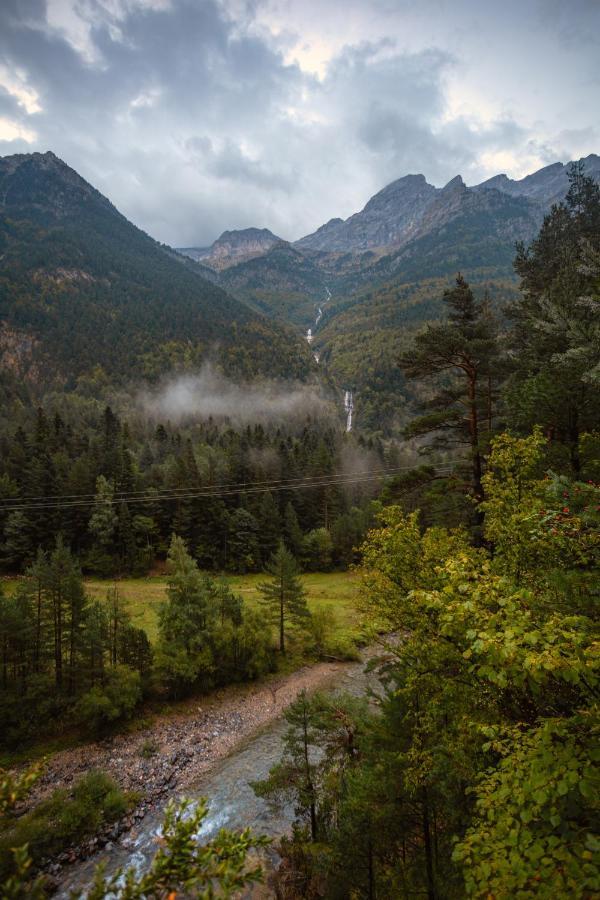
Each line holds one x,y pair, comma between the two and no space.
142,596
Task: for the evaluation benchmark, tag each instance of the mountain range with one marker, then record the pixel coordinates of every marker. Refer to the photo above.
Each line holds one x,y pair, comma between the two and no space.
365,284
405,210
84,294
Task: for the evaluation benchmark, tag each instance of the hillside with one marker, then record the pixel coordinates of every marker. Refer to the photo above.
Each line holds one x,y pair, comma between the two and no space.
283,283
81,288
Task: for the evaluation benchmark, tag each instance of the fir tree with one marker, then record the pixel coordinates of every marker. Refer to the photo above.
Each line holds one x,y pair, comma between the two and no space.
284,596
461,356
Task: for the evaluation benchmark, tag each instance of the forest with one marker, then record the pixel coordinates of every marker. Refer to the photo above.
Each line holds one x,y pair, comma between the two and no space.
471,771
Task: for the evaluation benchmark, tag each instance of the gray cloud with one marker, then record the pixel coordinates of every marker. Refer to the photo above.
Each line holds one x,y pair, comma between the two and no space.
196,115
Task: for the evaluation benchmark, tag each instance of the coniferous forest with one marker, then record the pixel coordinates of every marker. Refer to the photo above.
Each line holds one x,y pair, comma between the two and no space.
299,540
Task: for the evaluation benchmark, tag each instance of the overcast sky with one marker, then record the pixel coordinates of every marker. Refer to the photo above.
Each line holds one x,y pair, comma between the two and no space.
194,116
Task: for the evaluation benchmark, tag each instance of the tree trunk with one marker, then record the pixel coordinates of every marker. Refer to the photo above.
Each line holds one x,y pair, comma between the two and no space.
281,623
574,441
58,637
431,891
371,886
309,784
38,629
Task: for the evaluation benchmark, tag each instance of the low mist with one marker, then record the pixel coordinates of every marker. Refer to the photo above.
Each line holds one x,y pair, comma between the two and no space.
210,393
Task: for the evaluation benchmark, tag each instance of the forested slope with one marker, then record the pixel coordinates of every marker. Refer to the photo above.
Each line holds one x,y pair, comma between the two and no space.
81,287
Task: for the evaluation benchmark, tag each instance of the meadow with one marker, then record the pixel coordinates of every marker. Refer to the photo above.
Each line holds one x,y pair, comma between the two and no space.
143,596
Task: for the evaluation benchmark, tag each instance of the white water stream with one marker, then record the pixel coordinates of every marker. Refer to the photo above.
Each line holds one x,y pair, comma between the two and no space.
349,407
348,396
309,334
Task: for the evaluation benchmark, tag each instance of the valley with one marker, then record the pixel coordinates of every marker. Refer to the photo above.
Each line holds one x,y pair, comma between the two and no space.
225,470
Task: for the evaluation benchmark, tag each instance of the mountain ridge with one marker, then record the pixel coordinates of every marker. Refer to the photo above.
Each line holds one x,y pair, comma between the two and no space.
395,215
82,289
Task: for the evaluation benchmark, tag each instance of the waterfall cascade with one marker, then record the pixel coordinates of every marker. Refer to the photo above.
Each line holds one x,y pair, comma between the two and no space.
309,334
349,407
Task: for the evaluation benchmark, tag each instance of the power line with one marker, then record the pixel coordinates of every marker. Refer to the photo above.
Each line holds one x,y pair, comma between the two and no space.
247,488
118,495
226,486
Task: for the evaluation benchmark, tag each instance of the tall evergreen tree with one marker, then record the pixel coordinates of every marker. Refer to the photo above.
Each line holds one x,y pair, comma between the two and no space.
284,595
461,356
556,334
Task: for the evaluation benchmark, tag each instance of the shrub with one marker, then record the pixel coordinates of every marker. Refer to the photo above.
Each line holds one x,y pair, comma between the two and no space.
65,818
114,700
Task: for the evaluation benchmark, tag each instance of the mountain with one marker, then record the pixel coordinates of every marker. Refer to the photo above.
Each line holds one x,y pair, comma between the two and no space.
410,208
84,292
233,247
283,283
389,218
546,186
388,265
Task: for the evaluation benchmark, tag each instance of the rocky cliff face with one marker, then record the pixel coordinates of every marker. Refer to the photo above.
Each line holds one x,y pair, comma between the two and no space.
410,208
233,247
546,186
391,217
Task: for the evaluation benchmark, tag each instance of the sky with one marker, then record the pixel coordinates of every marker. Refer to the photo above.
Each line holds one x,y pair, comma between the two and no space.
195,116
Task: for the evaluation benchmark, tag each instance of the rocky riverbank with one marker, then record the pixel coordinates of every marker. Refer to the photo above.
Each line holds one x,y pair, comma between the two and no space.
175,750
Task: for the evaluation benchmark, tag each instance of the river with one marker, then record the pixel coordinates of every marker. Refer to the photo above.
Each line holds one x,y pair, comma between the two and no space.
233,803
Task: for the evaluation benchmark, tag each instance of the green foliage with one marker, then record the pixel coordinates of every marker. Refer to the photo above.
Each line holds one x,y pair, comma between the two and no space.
66,817
317,550
536,816
321,746
556,332
206,636
113,701
217,869
64,658
326,640
479,777
284,596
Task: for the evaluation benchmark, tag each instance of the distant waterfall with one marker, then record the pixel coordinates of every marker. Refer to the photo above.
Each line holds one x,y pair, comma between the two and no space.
309,334
349,407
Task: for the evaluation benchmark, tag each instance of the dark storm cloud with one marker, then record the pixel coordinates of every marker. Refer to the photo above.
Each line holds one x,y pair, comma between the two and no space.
193,115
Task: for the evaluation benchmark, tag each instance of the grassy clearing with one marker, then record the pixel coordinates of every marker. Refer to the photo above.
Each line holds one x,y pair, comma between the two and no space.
142,596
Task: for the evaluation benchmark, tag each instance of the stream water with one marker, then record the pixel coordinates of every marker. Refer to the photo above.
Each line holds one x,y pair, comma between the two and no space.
348,395
233,803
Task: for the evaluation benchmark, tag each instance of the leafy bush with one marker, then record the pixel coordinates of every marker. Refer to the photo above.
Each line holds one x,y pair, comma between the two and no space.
114,700
62,819
325,637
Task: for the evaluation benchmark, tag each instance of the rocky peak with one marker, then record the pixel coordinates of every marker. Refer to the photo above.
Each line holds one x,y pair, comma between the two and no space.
235,246
454,186
546,186
400,191
44,184
387,219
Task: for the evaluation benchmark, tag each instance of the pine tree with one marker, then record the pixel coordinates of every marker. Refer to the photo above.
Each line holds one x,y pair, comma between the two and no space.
556,335
270,526
461,355
292,531
284,595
